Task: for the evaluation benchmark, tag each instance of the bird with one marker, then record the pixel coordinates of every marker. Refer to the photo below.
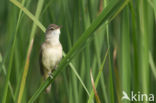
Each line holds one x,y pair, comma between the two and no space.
50,52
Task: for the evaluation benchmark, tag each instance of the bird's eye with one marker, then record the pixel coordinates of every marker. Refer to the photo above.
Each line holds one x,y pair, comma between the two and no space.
52,28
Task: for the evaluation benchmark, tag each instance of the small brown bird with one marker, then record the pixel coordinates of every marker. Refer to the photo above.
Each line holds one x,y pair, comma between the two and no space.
51,52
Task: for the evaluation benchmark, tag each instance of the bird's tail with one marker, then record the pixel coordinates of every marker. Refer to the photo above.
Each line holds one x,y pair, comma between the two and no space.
48,89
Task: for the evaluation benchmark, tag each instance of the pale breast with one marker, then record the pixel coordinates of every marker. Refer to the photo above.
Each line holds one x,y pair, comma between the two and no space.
51,55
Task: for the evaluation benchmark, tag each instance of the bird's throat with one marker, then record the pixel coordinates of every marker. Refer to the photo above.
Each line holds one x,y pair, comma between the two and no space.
53,37
53,40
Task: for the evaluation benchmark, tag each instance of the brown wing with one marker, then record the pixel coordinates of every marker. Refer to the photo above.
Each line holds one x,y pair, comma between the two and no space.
40,62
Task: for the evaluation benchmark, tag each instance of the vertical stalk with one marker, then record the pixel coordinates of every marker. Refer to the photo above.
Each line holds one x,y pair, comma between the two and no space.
110,67
125,53
26,67
135,44
11,57
144,49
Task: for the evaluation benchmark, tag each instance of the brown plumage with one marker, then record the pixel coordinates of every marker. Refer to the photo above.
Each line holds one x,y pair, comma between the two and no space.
51,52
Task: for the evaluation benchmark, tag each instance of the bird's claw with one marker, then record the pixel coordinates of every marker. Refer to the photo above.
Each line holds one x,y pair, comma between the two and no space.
50,75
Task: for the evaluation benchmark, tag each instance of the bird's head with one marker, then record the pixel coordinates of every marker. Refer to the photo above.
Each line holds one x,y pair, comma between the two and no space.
53,31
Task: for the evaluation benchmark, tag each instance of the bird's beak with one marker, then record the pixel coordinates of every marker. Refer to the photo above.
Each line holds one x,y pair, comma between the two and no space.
59,27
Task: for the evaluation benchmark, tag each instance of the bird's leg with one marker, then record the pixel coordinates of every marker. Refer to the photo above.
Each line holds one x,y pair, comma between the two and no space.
50,75
47,73
54,69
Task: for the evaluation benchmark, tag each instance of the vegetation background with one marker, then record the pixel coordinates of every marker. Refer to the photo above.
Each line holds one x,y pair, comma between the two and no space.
112,42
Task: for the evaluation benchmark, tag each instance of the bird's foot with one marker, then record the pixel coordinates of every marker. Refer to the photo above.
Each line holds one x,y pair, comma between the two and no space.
50,75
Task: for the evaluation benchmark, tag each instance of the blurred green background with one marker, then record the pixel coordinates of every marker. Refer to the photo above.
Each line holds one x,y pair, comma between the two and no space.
116,40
